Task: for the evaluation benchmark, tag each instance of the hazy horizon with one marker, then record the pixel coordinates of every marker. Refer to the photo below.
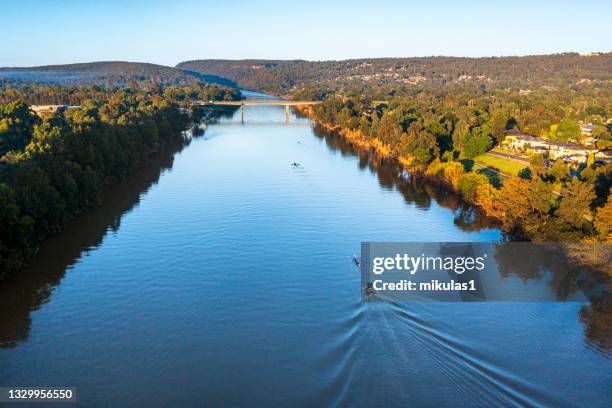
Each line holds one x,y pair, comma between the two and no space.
166,34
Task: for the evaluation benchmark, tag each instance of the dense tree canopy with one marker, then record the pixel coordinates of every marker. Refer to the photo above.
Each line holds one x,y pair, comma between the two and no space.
436,128
52,166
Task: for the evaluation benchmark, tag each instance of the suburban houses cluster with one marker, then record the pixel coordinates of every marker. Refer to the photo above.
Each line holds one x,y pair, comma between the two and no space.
571,153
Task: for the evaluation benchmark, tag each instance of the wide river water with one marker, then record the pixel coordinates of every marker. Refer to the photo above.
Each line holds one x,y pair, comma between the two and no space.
221,274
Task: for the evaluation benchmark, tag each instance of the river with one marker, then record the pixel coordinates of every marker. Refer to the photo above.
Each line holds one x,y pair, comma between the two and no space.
221,274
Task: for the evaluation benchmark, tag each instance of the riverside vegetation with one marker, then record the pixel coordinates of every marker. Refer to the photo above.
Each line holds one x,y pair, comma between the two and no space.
437,136
51,167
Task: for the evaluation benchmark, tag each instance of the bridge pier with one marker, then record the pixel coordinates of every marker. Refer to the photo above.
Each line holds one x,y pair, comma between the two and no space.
242,113
286,114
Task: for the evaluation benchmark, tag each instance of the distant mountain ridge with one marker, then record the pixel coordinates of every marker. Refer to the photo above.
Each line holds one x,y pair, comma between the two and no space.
106,73
280,76
289,76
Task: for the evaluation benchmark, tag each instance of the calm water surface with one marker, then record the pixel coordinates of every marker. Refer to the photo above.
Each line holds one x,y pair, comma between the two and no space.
221,273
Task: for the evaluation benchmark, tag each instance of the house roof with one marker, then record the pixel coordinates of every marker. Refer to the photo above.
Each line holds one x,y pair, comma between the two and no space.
516,132
529,138
567,145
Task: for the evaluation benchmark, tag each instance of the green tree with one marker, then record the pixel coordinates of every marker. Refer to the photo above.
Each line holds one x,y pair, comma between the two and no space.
537,164
576,198
567,129
16,123
559,170
499,124
470,183
389,130
478,143
419,144
525,206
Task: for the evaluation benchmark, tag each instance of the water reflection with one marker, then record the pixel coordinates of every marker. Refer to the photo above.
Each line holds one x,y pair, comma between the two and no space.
597,319
26,291
392,176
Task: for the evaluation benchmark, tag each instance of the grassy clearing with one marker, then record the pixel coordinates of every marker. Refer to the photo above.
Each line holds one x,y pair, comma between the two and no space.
506,166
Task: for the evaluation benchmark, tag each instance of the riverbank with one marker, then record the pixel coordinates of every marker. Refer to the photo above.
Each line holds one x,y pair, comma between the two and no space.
15,259
477,189
386,152
46,187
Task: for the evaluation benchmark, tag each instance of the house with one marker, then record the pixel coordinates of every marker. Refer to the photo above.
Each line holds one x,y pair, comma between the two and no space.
588,141
574,159
561,149
43,109
604,154
522,142
587,128
512,135
39,109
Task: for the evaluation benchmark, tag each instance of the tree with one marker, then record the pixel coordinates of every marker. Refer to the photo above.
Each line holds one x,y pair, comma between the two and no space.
559,170
364,125
56,165
469,184
603,183
567,129
9,212
537,164
389,130
16,122
525,173
499,124
525,206
487,197
15,233
442,135
452,172
419,144
602,133
576,198
603,221
479,142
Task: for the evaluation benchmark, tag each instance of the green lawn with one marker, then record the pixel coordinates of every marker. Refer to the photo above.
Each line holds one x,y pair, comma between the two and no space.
503,165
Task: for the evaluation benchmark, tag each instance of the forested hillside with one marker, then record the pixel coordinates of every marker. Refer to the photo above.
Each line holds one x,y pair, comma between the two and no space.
41,94
105,73
395,75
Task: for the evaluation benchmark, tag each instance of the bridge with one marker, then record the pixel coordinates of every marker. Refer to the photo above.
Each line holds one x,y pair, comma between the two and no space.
244,103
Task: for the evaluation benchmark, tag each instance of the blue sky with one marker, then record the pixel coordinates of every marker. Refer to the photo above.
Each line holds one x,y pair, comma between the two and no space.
66,31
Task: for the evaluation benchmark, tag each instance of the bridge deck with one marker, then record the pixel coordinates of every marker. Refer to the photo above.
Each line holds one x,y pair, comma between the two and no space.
252,103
